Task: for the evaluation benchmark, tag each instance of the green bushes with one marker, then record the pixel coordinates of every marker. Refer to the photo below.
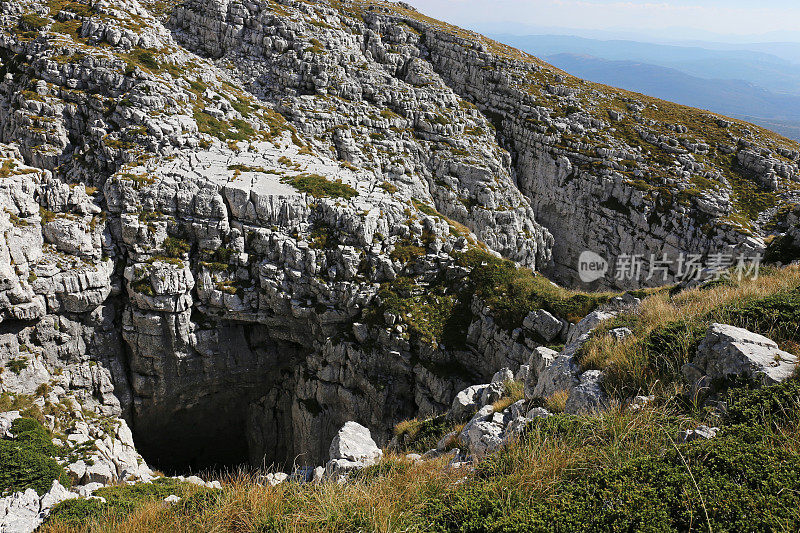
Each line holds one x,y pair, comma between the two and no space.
776,316
513,292
76,512
746,479
26,462
144,59
406,253
441,311
121,500
382,469
429,312
320,187
235,130
33,22
17,364
781,250
176,248
323,237
764,406
423,435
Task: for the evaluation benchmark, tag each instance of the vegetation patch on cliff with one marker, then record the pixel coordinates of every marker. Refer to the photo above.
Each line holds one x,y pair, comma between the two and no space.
320,187
512,292
27,460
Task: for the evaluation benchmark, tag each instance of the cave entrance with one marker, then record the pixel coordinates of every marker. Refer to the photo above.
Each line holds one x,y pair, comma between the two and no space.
192,440
223,408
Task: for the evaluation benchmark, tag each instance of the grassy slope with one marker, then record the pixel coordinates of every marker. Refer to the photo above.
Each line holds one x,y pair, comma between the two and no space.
619,471
668,329
622,470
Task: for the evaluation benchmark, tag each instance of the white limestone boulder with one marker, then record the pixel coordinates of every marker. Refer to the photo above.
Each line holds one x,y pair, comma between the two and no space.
729,351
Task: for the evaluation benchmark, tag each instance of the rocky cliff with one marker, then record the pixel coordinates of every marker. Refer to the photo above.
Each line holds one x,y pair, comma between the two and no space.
238,225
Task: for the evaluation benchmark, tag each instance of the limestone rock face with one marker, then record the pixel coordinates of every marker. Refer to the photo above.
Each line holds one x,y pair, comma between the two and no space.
466,402
543,323
23,512
354,443
588,396
729,352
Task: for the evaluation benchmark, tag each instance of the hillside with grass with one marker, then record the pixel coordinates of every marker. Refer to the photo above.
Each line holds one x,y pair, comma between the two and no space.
657,456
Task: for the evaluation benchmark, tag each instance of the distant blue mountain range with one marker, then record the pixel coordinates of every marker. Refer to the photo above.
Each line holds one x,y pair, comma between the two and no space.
750,84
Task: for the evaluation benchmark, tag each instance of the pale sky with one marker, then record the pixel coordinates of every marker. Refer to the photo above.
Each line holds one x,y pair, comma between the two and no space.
724,17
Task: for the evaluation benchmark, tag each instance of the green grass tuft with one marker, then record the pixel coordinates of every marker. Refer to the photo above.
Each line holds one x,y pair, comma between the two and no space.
320,187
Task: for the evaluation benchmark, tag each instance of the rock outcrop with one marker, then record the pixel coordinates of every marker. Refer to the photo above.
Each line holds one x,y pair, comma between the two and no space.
352,448
728,352
23,512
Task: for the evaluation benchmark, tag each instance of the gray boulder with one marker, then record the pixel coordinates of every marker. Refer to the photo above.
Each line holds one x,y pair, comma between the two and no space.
587,325
19,513
728,351
482,438
6,419
522,373
588,396
466,402
23,512
538,412
543,323
620,333
502,376
352,448
354,443
540,359
559,376
493,392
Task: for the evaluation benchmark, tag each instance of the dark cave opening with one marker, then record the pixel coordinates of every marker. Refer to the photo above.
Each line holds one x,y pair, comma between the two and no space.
194,440
225,408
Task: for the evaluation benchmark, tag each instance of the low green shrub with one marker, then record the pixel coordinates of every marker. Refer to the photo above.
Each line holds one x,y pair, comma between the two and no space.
513,292
381,469
320,187
122,500
77,512
32,21
767,406
423,435
176,248
742,480
26,461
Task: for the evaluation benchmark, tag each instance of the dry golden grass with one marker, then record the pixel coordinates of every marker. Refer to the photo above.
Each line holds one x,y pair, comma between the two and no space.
556,402
627,360
408,427
382,503
395,501
514,392
598,442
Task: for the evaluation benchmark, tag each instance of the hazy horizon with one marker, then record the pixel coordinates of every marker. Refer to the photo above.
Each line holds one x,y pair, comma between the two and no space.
731,21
